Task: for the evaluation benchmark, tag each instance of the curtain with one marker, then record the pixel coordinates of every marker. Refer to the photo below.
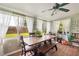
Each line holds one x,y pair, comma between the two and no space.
56,26
51,27
4,24
21,21
48,27
30,22
21,25
44,25
35,24
39,25
14,21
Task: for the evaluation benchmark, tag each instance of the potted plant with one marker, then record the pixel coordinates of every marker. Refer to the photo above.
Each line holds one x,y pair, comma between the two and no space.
38,33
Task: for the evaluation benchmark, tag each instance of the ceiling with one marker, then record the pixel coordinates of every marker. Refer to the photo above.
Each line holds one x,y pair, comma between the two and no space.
35,9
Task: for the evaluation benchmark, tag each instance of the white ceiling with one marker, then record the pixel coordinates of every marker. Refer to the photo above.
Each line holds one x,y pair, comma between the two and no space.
35,9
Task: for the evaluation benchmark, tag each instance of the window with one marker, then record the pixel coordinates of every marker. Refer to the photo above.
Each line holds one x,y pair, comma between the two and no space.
17,26
12,28
23,26
66,25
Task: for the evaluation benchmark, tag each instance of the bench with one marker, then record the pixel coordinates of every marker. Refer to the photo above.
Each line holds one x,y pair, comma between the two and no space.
41,51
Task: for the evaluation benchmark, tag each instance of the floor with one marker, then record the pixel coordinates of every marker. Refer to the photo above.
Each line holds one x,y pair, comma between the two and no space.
63,50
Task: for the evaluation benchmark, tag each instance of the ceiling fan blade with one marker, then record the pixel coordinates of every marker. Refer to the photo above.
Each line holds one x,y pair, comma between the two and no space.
47,10
56,6
63,4
65,10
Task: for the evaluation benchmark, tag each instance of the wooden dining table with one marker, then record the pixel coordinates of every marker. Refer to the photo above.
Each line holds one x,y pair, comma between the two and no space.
35,40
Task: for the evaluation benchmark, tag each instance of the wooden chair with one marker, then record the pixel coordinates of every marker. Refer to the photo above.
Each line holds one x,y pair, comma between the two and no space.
32,34
25,47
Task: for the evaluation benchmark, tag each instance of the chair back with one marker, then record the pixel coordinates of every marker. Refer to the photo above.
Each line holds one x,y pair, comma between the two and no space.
22,43
32,34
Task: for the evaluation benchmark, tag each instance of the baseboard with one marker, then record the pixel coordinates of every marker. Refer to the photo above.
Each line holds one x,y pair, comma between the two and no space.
12,52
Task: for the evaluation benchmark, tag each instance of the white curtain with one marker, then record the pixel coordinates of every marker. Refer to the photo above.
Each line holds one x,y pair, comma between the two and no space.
56,26
51,27
21,21
44,26
4,24
30,22
14,21
39,25
48,27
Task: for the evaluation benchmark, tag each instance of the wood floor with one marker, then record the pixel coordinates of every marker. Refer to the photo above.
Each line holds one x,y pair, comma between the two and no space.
63,50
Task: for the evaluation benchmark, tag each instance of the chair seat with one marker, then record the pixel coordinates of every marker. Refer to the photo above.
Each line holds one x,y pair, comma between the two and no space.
30,54
28,48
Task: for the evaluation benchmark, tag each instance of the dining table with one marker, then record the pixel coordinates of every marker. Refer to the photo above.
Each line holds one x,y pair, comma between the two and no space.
35,40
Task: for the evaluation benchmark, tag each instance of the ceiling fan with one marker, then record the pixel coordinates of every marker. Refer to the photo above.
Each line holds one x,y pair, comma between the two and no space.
57,7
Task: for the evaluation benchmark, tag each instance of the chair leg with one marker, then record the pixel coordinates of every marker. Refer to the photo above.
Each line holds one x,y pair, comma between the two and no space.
31,52
50,41
45,43
35,51
22,52
56,47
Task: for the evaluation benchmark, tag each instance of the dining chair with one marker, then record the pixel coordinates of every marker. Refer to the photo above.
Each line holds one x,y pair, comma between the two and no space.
42,44
25,47
32,34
